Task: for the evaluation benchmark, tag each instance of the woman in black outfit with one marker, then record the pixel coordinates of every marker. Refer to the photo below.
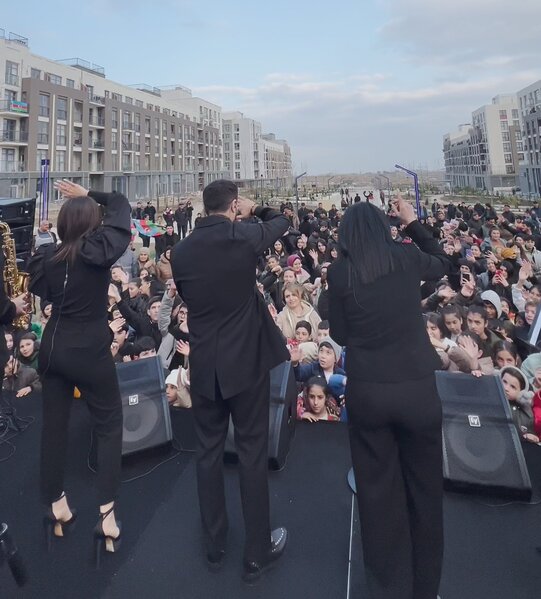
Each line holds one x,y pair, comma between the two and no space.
75,348
393,408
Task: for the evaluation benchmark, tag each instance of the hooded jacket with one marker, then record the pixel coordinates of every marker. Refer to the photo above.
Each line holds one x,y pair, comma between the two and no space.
287,320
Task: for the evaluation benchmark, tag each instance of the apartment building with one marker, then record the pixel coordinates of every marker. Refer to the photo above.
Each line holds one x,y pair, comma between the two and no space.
250,155
142,140
529,100
485,155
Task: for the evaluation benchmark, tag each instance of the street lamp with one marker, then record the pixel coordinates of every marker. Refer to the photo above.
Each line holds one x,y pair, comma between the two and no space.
416,184
297,189
329,184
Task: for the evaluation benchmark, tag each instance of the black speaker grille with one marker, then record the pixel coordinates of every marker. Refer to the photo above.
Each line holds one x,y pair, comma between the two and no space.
481,446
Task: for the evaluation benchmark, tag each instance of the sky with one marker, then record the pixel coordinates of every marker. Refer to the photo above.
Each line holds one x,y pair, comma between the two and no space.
353,85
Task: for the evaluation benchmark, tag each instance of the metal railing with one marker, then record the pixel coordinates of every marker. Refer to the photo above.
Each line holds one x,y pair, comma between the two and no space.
12,166
97,121
14,136
98,145
13,106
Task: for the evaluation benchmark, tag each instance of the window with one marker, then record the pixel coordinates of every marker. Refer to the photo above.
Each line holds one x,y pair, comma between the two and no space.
117,97
139,103
157,127
508,158
147,125
503,115
44,102
114,162
514,113
41,155
43,132
137,121
509,169
78,112
237,155
506,136
226,146
70,83
114,140
237,146
12,73
237,175
227,128
62,109
237,165
35,73
114,117
504,125
237,136
126,120
60,161
61,135
507,147
128,100
52,78
520,146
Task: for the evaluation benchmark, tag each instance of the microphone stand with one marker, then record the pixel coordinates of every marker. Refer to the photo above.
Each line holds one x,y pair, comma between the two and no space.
10,554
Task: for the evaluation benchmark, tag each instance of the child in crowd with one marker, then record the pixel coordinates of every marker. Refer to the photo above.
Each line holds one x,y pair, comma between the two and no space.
316,402
517,391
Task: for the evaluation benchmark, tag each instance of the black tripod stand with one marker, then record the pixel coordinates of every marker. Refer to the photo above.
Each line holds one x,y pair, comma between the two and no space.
10,554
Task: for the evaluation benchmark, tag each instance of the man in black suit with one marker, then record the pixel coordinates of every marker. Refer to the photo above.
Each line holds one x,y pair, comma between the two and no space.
233,345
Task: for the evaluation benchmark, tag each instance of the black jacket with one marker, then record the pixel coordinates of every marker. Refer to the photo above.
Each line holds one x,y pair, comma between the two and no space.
7,314
233,339
381,324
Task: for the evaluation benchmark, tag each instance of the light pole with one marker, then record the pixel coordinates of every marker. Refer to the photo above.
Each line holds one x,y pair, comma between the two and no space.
329,184
388,186
416,184
297,190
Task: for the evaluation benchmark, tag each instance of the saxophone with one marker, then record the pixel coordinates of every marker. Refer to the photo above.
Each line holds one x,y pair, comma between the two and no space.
15,281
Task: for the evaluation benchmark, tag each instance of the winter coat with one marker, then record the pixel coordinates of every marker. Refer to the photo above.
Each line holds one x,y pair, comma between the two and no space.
287,320
163,269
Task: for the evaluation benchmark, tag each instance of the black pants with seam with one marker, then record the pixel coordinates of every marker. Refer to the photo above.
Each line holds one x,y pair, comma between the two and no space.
249,411
79,356
396,449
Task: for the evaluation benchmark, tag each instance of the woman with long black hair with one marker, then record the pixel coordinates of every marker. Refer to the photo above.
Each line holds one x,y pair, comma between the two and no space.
75,349
393,407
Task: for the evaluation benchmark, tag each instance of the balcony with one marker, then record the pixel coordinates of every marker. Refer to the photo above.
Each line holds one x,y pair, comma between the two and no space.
93,99
128,147
97,121
95,167
97,145
14,137
13,108
127,125
12,166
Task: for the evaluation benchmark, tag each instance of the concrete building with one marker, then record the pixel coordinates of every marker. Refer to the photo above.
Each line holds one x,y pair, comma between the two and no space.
529,100
141,140
242,138
485,154
250,155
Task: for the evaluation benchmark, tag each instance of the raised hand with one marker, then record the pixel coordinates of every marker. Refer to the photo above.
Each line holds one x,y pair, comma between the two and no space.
69,190
405,211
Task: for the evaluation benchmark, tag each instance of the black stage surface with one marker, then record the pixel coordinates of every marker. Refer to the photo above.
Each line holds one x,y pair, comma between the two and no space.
490,551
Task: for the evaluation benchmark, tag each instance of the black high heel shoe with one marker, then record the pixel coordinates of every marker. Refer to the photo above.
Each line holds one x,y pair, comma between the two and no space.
55,527
104,542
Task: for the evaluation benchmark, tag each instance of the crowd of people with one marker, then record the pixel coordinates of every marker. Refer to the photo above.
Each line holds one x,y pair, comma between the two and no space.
478,318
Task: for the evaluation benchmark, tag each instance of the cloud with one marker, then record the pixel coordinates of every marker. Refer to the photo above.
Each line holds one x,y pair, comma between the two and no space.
482,34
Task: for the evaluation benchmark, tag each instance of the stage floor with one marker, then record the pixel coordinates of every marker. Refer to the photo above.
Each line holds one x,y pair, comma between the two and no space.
489,550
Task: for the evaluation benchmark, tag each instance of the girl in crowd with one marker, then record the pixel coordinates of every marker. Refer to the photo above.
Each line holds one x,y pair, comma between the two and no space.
163,267
316,402
452,357
75,349
144,262
518,394
280,252
295,309
295,263
453,321
505,354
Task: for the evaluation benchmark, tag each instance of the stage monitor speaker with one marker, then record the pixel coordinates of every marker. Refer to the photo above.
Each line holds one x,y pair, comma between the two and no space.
17,212
282,417
481,446
147,421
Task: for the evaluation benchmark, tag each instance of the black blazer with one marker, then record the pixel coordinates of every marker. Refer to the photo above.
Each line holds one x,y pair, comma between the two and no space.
381,323
233,338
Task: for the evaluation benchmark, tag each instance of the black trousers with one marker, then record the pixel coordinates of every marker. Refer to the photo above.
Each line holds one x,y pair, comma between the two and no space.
250,413
79,356
395,438
146,240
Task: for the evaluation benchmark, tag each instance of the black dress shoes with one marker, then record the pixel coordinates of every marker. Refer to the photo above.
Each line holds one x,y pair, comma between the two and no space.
215,559
253,570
